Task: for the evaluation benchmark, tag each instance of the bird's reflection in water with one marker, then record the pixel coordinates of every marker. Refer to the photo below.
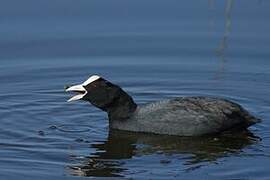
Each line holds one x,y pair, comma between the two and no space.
110,156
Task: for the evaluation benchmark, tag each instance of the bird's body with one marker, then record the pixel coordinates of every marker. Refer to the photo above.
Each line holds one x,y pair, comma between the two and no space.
187,116
183,116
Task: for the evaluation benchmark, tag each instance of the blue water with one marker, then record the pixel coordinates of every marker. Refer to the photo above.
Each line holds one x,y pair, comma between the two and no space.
152,49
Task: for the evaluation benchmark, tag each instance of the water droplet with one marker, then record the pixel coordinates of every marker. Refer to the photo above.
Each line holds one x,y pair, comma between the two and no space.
41,133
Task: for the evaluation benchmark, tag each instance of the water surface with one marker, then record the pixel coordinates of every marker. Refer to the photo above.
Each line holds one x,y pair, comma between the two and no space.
152,49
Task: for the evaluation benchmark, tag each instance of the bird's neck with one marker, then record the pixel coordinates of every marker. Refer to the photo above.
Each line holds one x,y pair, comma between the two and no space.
122,107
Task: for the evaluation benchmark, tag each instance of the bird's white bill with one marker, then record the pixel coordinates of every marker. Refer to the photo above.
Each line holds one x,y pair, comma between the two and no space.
76,97
77,89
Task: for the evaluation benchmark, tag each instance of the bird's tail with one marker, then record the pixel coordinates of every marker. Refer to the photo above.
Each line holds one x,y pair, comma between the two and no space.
250,119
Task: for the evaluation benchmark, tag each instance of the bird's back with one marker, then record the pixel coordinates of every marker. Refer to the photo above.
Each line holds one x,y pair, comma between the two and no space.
187,116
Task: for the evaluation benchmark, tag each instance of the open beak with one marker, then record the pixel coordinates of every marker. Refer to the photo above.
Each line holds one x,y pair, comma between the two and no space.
79,89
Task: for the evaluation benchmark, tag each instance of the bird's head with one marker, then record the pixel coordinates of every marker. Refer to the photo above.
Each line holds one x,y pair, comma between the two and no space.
98,91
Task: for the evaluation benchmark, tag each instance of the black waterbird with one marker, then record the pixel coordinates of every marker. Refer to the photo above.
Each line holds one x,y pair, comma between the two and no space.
182,116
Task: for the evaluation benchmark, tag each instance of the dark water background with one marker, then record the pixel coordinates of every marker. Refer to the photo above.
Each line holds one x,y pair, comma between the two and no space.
154,50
